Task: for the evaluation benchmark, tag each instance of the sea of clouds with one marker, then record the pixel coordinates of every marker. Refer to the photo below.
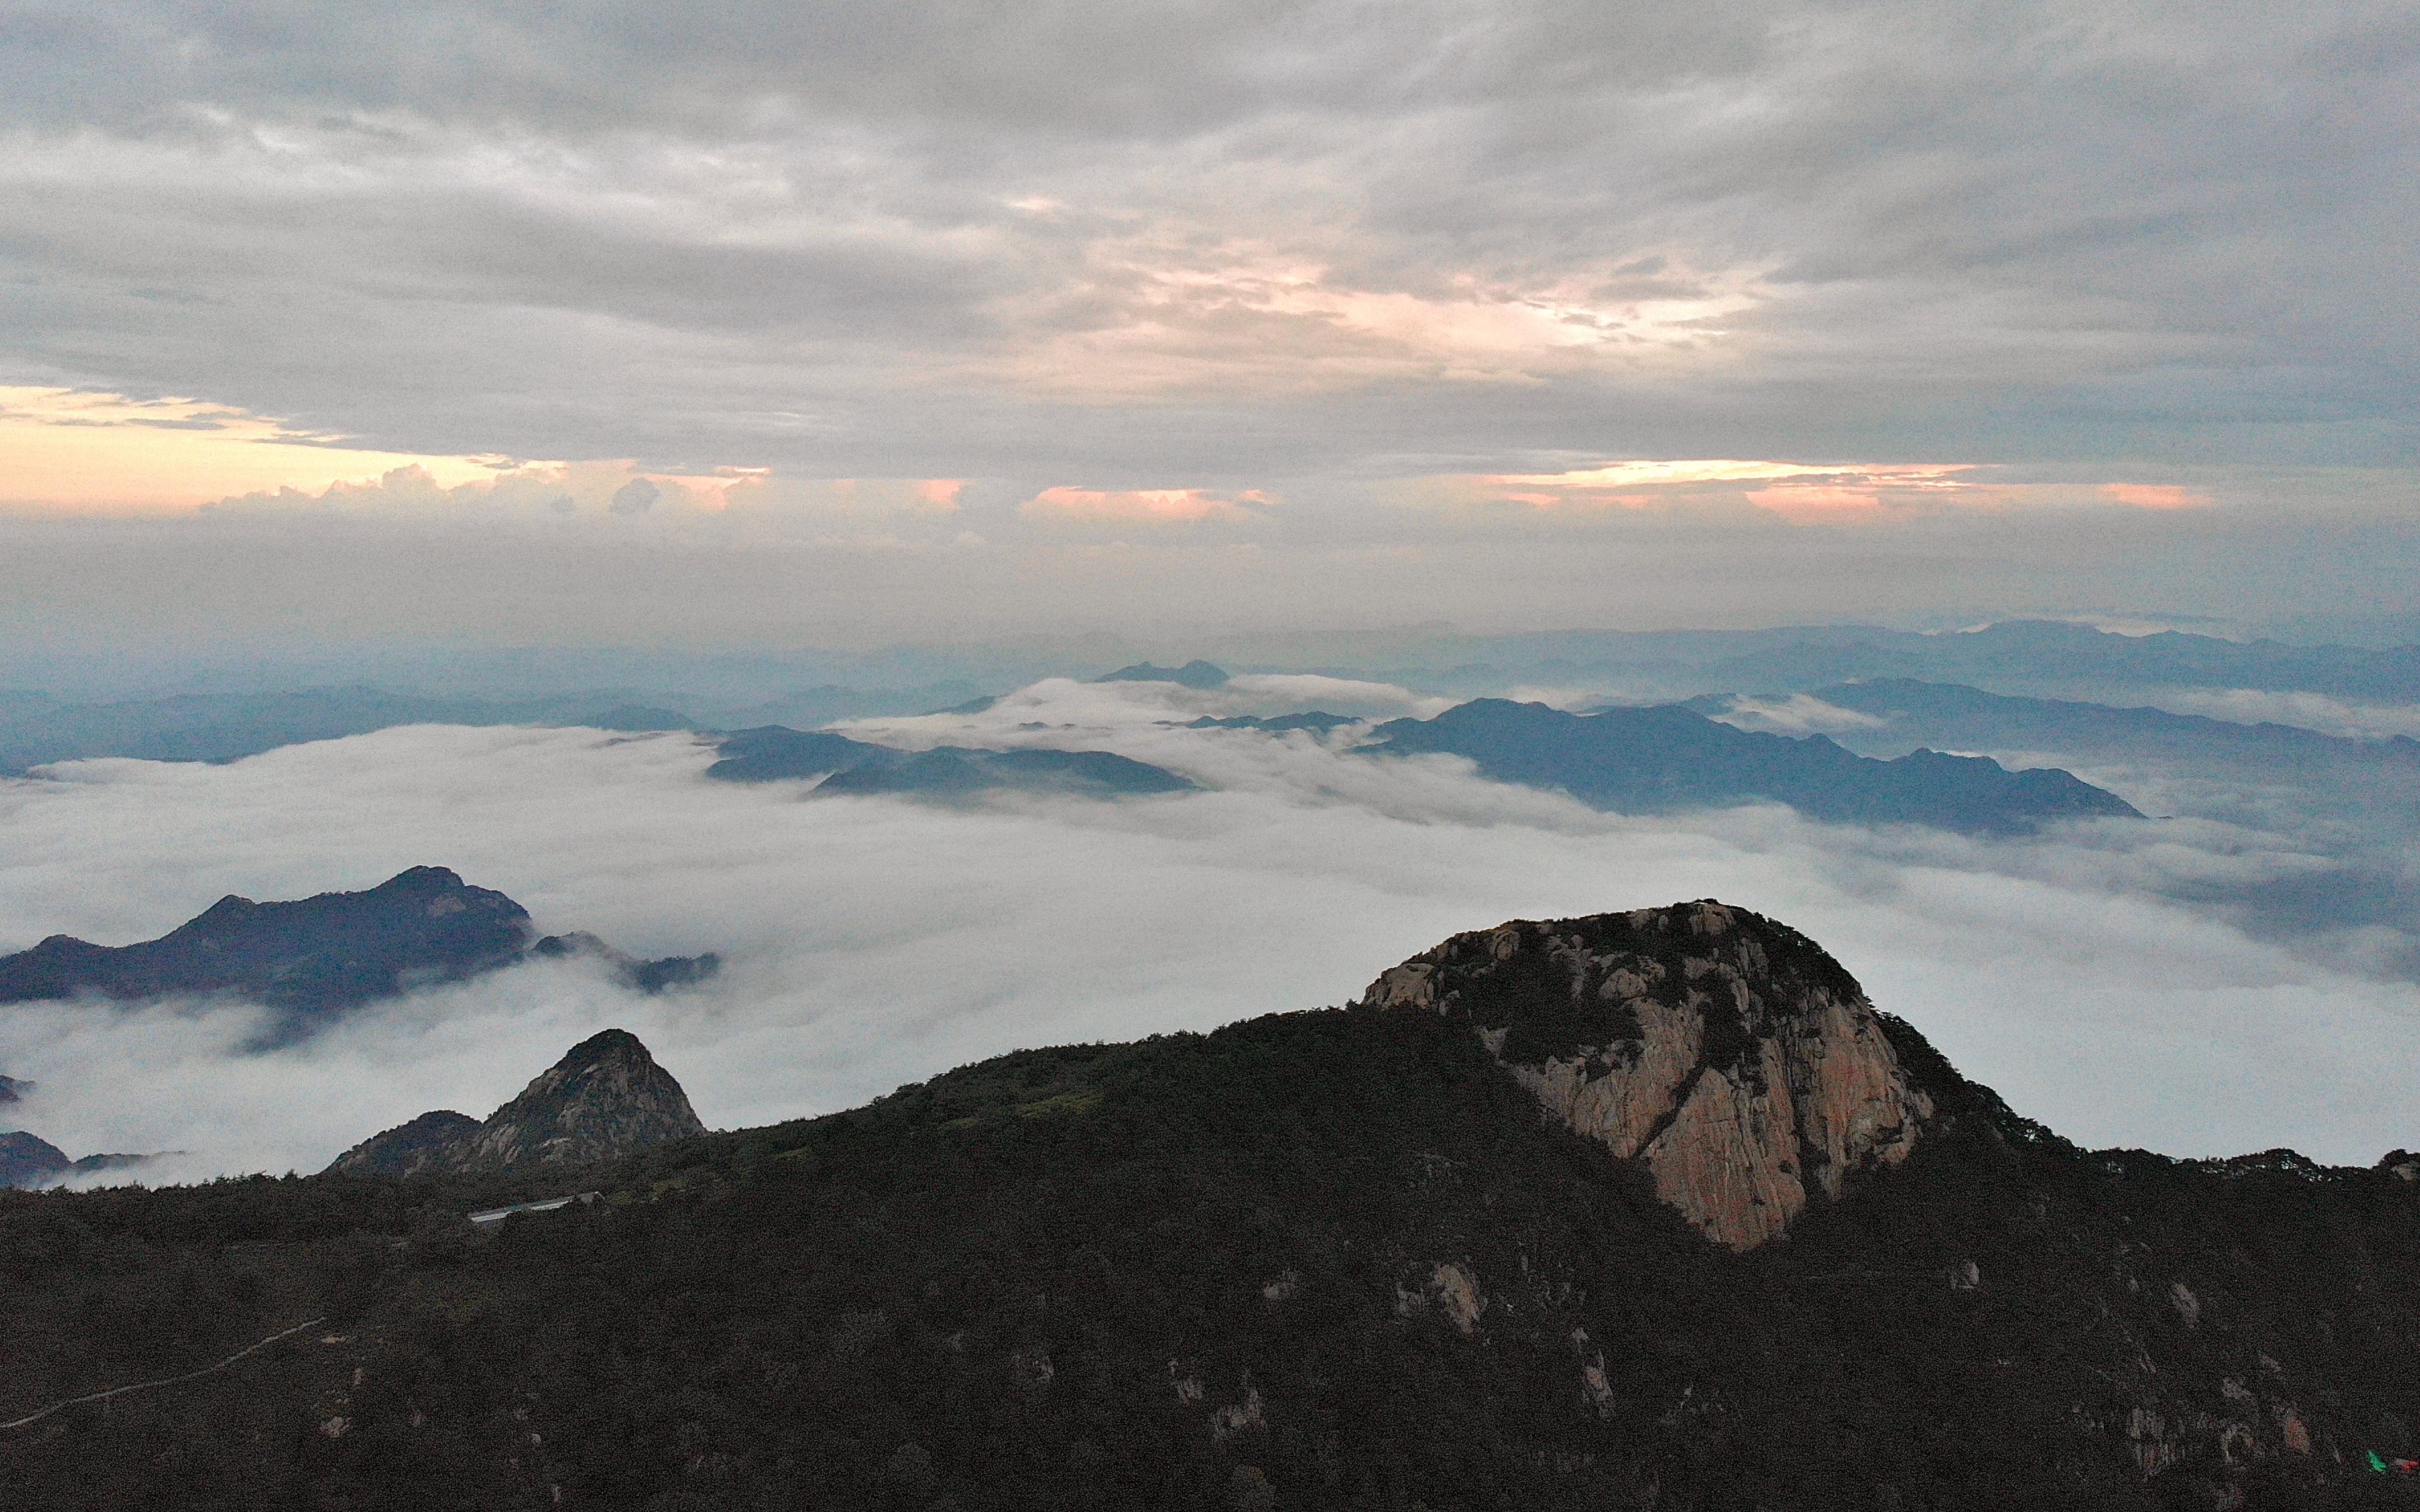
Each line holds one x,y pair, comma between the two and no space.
874,941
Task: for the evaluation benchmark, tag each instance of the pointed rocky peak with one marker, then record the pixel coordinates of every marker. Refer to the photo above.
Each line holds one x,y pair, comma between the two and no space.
1729,1053
605,1097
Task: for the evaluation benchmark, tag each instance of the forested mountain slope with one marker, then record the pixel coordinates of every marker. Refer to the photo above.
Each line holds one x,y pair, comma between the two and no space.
1384,1256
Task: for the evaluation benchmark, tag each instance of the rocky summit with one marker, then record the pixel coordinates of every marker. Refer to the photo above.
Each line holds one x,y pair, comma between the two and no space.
606,1097
1730,1054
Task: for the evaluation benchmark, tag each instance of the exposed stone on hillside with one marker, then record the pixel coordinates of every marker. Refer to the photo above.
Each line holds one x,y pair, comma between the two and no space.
606,1096
1729,1052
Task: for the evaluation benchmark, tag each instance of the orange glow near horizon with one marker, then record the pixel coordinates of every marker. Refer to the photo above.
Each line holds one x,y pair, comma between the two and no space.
1138,505
2154,495
72,450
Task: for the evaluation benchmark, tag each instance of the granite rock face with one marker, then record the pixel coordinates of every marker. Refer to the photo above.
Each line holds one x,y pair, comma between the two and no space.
606,1096
1733,1057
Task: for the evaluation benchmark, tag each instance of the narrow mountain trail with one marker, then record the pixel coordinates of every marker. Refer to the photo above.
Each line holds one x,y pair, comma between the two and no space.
165,1380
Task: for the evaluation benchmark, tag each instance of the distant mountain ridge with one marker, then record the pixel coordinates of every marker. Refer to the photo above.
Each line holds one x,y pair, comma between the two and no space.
318,957
1198,675
1666,757
775,753
28,1161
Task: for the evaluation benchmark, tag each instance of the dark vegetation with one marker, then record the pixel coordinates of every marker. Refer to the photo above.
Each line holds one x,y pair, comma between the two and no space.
1209,1272
1667,757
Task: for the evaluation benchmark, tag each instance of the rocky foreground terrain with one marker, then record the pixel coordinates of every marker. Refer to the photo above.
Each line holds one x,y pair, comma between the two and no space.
1647,1210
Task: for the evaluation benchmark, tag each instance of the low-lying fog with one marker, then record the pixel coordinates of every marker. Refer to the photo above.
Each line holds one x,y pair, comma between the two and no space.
870,942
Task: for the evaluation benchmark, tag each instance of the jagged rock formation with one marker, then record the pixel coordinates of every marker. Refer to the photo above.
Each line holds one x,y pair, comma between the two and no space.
416,1149
606,1096
1729,1052
321,956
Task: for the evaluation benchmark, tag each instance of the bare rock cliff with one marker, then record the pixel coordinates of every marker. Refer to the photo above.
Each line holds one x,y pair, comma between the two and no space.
1728,1051
604,1097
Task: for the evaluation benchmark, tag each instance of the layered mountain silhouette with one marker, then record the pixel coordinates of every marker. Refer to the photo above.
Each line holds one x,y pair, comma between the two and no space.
1641,1210
1667,757
605,1097
1314,720
29,1160
1194,674
852,766
321,956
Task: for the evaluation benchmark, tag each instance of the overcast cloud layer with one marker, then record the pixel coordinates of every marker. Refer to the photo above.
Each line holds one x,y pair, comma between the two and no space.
871,941
1160,245
1143,317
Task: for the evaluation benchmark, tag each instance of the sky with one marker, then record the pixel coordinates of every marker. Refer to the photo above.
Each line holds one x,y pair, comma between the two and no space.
806,324
2088,973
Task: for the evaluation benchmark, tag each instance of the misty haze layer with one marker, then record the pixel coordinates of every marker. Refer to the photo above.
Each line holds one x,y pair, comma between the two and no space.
871,941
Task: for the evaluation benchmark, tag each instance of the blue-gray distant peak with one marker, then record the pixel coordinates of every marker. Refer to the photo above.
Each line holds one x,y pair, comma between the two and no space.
316,958
774,752
1665,758
1201,675
853,766
950,771
1316,720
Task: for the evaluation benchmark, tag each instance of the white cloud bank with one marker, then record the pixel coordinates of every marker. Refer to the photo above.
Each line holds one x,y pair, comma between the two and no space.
870,942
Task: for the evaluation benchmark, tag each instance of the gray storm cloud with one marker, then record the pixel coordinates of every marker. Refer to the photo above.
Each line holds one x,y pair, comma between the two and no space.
871,942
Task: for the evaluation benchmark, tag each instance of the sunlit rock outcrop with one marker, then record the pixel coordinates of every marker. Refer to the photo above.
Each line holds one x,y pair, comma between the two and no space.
1729,1052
